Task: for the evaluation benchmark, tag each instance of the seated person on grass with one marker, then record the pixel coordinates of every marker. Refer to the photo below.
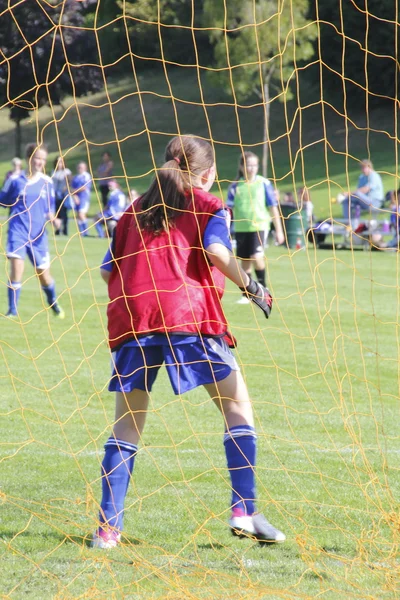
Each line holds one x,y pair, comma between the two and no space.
369,192
377,238
112,212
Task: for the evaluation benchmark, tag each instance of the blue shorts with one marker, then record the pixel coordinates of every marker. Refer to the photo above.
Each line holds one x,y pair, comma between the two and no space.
37,251
188,365
83,206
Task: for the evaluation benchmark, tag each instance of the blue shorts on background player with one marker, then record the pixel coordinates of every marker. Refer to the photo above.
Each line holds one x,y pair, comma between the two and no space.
81,185
166,272
30,199
112,212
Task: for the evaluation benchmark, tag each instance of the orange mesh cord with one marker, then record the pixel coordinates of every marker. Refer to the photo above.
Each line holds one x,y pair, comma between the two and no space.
322,372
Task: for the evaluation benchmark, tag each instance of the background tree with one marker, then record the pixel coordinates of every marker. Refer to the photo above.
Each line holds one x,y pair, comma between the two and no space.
151,34
359,51
46,53
256,44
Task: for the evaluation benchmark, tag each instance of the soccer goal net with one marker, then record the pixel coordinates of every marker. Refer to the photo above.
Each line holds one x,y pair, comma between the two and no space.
299,103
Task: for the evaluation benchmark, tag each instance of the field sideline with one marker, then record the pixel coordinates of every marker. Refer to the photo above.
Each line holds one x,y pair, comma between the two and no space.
323,375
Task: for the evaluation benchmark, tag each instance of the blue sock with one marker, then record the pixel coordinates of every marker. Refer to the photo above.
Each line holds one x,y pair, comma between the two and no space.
83,227
14,292
240,449
50,293
99,228
116,468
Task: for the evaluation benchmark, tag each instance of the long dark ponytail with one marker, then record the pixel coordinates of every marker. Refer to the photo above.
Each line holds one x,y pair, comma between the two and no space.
186,158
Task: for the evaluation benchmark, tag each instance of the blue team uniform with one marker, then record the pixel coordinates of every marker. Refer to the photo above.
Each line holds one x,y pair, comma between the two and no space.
31,201
115,206
81,185
136,363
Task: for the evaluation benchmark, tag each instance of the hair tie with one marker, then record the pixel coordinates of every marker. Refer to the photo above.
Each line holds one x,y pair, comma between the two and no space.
177,159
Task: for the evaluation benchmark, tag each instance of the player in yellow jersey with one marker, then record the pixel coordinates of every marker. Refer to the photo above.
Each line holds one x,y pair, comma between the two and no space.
254,204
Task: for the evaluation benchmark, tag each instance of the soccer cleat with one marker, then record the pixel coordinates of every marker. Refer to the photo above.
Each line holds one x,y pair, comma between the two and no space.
106,539
254,526
243,300
12,315
58,311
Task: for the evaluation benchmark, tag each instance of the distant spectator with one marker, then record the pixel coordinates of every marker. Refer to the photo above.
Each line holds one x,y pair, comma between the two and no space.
377,238
16,170
81,185
288,198
304,200
61,179
133,195
104,174
113,210
369,192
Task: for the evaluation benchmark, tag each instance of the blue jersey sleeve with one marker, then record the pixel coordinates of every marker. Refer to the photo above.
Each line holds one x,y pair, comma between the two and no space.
217,230
108,261
270,199
8,193
230,201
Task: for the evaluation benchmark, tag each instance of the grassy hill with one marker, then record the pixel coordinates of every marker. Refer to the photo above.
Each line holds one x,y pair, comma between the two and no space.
311,143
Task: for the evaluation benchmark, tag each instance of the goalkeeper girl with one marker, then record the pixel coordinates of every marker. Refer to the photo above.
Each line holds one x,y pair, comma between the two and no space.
165,272
253,202
30,197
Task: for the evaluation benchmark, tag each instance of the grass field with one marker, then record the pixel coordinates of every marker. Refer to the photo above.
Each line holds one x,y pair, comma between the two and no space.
323,375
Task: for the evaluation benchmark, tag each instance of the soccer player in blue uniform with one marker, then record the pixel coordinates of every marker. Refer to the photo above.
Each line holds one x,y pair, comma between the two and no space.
113,210
166,272
30,198
81,185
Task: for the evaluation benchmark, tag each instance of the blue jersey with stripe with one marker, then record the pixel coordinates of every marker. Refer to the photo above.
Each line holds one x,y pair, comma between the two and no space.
81,185
31,202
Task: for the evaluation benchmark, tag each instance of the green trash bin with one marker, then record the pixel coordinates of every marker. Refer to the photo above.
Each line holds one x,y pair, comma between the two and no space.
295,224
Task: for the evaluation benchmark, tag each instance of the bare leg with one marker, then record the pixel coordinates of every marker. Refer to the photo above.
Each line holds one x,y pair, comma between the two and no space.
130,415
16,269
14,284
44,277
232,399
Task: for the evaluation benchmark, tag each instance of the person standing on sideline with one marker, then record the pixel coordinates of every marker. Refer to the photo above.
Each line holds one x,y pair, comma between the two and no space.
61,179
369,193
253,202
104,174
16,170
81,185
166,272
113,210
30,197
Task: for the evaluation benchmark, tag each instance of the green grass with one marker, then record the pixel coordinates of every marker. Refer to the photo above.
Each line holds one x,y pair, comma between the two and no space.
323,375
311,144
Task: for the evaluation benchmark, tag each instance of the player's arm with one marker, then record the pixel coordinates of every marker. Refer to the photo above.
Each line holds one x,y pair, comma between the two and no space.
108,264
230,199
218,248
223,259
7,194
277,221
51,199
272,205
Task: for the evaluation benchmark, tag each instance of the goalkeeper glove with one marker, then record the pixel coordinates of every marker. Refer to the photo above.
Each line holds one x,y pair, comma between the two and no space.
260,295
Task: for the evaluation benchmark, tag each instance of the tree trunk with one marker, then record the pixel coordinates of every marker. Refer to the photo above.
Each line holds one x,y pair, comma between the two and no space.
266,130
18,137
